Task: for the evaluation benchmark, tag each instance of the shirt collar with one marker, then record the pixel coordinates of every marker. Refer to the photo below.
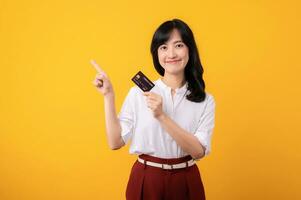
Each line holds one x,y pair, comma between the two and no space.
180,90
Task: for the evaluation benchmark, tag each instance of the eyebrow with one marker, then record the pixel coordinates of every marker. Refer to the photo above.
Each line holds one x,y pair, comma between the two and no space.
177,41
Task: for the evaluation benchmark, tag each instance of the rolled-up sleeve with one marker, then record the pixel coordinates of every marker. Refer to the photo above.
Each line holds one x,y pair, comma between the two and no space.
206,124
126,116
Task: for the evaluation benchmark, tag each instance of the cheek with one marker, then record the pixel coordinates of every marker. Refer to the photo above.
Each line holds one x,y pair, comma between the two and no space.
161,59
185,56
186,59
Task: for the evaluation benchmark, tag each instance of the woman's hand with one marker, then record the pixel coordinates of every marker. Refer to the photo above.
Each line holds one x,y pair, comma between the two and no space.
154,102
102,81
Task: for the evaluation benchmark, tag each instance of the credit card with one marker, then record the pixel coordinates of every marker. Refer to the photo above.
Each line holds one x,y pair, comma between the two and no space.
143,82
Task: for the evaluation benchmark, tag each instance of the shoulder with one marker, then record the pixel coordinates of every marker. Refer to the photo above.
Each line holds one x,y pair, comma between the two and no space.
209,97
210,100
134,90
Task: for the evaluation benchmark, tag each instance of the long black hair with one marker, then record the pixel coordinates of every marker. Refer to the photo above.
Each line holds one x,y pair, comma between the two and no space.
193,70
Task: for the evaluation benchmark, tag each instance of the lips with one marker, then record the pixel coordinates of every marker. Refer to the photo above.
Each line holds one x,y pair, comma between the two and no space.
172,61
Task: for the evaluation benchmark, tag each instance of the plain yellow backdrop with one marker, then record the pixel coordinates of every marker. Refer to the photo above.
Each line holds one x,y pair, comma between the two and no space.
52,133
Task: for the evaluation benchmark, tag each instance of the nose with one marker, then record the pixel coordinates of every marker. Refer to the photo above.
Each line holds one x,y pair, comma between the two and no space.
171,53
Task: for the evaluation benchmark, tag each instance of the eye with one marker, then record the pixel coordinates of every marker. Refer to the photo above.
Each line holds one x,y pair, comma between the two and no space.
163,47
179,45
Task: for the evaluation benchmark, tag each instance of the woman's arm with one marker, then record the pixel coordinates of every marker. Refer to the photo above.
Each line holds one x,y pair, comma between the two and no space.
187,141
113,128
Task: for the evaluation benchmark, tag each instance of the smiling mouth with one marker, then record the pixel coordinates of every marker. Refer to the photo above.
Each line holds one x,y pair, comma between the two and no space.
173,61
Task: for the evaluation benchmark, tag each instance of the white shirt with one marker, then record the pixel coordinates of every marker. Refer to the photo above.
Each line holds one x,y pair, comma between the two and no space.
146,133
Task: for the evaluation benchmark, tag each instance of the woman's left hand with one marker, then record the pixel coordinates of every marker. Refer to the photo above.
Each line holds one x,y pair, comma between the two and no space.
154,102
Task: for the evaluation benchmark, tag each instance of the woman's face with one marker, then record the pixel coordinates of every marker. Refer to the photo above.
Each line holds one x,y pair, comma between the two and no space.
173,55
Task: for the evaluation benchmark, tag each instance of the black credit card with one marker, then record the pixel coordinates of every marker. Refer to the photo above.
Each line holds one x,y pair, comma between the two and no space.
143,82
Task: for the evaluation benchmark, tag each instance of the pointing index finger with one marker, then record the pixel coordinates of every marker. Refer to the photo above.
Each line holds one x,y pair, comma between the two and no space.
96,66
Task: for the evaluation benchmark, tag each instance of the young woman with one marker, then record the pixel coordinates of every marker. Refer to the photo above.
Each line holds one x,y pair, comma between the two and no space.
169,127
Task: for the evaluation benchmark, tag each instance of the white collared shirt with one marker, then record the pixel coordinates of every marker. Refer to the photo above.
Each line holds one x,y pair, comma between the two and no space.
146,133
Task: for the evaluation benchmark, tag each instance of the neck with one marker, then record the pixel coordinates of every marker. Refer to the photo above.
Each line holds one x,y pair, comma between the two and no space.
174,81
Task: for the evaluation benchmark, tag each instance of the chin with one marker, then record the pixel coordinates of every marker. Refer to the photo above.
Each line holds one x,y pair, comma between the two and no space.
174,72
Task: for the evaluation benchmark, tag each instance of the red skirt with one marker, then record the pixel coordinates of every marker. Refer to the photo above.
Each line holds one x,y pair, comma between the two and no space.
153,183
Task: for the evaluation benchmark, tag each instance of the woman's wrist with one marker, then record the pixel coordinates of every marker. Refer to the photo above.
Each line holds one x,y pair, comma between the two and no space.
162,116
109,96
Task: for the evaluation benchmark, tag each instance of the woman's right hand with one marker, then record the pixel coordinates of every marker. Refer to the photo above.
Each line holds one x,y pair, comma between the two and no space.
102,81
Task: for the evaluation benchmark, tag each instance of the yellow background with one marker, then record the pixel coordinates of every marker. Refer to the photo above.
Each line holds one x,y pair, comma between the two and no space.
52,139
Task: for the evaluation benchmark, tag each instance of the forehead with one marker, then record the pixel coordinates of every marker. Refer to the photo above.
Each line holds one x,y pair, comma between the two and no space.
174,37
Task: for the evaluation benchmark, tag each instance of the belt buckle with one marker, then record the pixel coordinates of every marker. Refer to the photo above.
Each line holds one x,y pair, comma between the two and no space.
164,165
167,166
